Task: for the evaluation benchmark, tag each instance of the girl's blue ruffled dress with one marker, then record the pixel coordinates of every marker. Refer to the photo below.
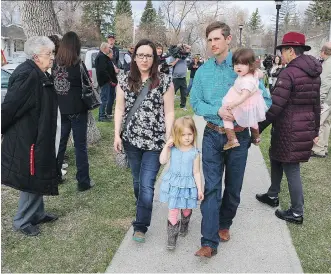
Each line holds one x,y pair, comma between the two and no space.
178,187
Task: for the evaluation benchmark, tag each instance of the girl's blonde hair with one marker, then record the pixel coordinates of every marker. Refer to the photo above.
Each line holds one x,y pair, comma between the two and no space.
179,125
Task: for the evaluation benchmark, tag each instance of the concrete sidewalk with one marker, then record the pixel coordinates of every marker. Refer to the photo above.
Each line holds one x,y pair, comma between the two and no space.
260,242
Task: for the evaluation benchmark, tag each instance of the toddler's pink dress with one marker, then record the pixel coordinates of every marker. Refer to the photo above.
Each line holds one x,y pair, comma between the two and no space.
251,111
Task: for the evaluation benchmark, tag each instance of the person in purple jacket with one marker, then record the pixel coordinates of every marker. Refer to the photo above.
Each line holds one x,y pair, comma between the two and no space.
295,118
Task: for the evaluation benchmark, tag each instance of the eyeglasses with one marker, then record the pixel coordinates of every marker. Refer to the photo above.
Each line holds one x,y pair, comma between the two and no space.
147,56
48,54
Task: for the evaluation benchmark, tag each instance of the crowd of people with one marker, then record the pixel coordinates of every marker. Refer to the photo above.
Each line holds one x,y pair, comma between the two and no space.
41,108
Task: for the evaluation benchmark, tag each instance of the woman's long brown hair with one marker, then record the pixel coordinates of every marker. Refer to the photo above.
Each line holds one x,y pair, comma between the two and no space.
69,50
134,80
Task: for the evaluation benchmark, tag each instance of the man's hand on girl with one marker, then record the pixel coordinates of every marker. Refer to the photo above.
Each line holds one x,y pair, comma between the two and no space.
225,114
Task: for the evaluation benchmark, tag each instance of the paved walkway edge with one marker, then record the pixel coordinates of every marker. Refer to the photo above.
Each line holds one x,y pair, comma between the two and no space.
260,242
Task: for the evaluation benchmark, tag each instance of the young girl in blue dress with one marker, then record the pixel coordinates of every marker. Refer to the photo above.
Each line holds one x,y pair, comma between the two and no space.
181,185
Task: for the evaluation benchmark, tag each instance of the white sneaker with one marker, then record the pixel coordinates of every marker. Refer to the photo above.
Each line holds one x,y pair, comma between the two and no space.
64,172
184,109
64,166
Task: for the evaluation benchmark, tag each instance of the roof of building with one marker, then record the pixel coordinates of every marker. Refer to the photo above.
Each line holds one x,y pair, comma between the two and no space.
15,32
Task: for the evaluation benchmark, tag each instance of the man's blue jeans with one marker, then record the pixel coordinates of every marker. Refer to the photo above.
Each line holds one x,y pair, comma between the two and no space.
78,124
144,166
217,211
111,100
104,94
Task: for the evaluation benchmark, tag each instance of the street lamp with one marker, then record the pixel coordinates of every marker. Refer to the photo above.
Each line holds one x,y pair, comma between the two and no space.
240,30
278,6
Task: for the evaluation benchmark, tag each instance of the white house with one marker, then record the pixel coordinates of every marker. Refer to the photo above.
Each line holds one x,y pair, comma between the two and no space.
12,41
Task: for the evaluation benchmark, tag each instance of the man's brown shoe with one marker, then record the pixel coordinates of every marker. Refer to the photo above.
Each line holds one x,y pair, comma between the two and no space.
206,251
224,235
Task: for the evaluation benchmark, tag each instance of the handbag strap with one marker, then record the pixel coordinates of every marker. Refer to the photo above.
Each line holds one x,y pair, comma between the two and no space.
83,73
141,96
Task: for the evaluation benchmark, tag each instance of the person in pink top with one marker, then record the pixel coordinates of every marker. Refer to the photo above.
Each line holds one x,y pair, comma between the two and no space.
244,99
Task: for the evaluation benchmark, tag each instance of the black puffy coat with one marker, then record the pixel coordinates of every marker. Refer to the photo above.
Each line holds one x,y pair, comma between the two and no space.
295,110
29,117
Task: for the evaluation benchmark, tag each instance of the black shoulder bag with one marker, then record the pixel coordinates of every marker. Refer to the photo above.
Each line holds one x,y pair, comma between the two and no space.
121,158
90,95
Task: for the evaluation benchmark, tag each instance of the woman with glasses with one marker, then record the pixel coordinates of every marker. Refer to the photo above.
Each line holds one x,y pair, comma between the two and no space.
147,129
31,129
68,85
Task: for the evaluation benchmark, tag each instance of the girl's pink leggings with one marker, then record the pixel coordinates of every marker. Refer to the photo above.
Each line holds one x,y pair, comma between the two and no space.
173,214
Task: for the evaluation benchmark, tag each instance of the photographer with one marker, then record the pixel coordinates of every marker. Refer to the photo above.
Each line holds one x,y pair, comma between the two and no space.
178,55
163,66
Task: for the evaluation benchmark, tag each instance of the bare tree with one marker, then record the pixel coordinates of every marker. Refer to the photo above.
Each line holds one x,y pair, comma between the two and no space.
9,12
38,18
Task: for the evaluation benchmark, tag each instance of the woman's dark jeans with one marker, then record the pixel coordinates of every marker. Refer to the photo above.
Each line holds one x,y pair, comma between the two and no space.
78,124
145,165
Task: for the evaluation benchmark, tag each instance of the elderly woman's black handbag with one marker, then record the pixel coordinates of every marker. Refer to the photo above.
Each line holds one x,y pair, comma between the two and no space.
90,95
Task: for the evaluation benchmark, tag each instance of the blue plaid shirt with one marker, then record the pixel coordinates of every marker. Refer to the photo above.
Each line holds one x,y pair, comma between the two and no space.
211,83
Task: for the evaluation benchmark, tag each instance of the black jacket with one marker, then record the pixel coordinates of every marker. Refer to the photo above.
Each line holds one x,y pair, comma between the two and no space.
104,69
116,56
68,86
29,117
193,70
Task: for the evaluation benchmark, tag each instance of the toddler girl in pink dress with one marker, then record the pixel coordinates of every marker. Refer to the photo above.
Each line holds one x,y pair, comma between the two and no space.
244,98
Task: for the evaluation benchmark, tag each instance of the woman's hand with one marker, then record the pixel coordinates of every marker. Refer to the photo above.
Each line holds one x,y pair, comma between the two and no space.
200,195
118,144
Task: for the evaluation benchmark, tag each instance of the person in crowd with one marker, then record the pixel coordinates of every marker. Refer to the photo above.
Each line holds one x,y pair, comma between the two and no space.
179,75
295,119
116,53
267,63
193,67
74,115
31,128
320,148
274,72
56,40
115,60
181,185
107,80
128,58
162,60
147,129
244,98
211,83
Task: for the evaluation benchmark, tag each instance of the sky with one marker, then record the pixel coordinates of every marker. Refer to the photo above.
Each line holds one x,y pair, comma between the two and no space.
266,8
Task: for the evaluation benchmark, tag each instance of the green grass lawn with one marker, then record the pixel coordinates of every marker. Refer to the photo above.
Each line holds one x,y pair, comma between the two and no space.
91,224
312,240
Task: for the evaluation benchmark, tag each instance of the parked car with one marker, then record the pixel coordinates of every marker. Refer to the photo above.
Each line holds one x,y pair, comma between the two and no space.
120,64
10,67
88,55
5,74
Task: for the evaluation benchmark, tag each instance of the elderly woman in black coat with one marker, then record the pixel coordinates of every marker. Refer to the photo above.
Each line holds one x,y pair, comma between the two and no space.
30,124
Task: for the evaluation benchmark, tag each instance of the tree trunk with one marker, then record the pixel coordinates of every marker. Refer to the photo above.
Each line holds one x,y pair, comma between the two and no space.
39,19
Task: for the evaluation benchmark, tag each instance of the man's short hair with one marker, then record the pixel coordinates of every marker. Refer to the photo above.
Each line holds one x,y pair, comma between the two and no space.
298,50
104,45
326,50
218,25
